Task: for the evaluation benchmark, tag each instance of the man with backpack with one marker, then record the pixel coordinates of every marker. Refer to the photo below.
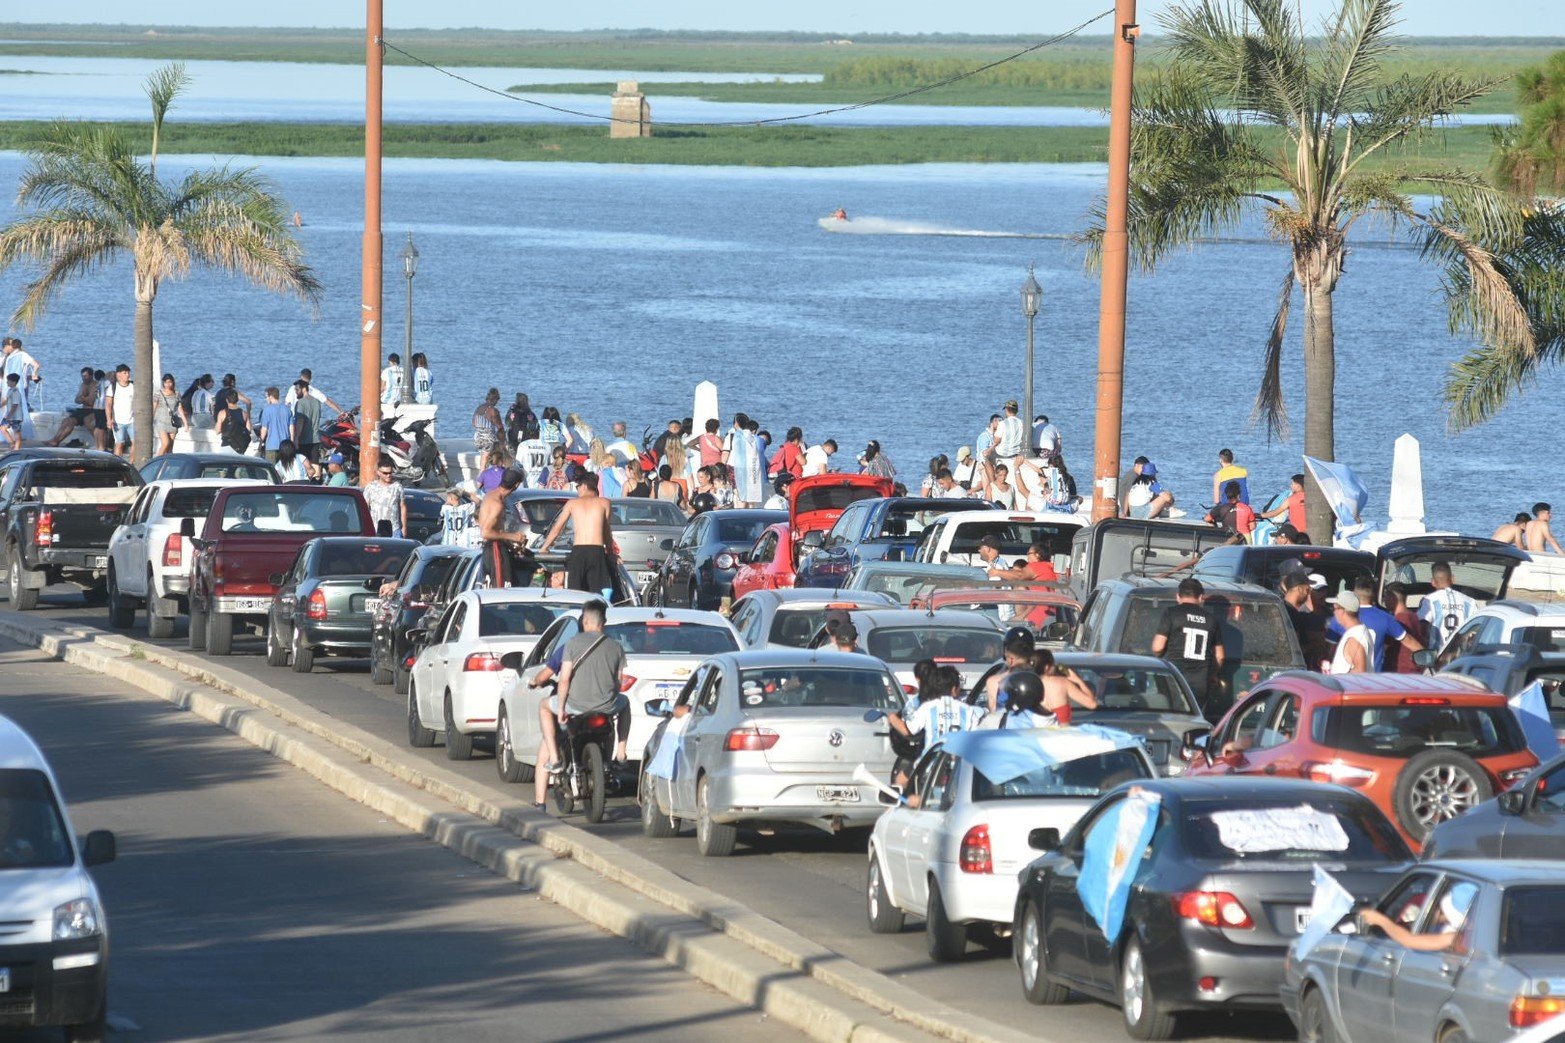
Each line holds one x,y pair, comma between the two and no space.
1233,514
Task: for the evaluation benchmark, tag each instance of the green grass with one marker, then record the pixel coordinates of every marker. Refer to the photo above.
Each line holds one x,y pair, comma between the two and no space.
1466,148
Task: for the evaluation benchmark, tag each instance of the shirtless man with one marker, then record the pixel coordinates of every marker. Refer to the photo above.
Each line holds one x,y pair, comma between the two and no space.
491,528
1061,686
1514,532
1539,538
588,566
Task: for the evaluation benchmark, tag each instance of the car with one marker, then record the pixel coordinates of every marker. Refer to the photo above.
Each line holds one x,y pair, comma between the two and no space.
900,637
391,647
951,853
1525,821
1123,615
1499,973
423,513
663,648
1217,896
953,538
790,618
325,603
905,580
1049,612
55,952
1480,568
1508,669
1126,547
700,567
209,466
1341,567
1505,623
149,555
768,564
1424,749
454,685
816,502
769,739
640,526
882,529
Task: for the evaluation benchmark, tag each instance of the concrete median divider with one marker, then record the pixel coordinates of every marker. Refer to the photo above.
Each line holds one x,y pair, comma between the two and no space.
719,941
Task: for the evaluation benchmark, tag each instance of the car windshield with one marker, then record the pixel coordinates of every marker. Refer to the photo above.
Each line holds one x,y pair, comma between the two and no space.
189,503
741,530
290,509
1085,777
1157,690
1300,829
436,569
942,644
1533,923
672,637
1339,574
807,687
1545,639
903,521
903,587
1253,631
1479,580
646,512
32,832
539,513
371,558
1401,730
79,476
518,618
262,471
795,626
1015,536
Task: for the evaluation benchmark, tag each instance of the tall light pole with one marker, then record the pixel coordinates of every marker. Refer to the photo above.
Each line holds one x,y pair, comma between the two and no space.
370,290
409,257
1032,296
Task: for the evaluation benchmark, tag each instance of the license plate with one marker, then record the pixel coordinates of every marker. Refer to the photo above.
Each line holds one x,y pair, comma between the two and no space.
1301,918
252,604
100,562
837,794
372,605
666,688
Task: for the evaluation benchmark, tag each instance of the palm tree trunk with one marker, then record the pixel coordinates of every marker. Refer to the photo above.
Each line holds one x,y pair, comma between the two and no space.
1320,389
146,380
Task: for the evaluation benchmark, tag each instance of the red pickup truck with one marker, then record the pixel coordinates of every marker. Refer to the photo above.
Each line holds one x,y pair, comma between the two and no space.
251,534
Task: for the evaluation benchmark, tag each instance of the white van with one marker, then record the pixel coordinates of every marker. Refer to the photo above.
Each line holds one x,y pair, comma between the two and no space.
952,539
54,939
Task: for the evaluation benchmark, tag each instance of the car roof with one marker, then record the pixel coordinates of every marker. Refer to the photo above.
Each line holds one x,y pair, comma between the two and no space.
1113,661
916,568
204,483
18,750
957,517
50,453
892,617
1524,610
748,514
1365,687
510,595
213,458
1229,787
1001,595
1502,872
641,613
1152,585
359,541
824,596
1301,550
773,657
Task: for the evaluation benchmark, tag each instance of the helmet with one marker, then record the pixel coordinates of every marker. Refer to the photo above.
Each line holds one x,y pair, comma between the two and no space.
1022,690
703,502
1018,633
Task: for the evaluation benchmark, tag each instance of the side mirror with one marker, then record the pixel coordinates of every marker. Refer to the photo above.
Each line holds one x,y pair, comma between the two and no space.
814,540
1512,802
187,527
658,708
418,634
98,848
1058,630
1425,658
1044,838
667,544
886,798
513,661
276,579
871,716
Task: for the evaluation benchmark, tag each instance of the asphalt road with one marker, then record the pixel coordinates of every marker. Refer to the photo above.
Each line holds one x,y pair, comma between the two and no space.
808,881
251,902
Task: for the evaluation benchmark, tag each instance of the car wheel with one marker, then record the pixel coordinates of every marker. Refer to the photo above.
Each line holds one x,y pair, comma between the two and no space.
276,651
946,941
713,839
654,823
92,1030
122,616
23,597
97,594
419,736
884,918
1033,961
1314,1021
506,765
459,745
197,635
1435,786
378,672
220,634
158,626
399,677
1454,1034
1142,1018
303,654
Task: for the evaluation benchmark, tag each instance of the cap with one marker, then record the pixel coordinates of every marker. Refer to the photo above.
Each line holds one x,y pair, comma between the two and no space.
1347,601
964,453
335,458
1294,580
1317,581
1011,403
1149,469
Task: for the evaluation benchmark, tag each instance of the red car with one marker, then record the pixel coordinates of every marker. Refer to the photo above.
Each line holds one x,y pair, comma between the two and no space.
768,564
814,505
1424,749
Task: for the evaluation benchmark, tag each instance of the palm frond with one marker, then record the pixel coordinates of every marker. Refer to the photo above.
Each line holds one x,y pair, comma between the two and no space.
1270,404
65,243
1352,54
1262,74
1408,105
162,87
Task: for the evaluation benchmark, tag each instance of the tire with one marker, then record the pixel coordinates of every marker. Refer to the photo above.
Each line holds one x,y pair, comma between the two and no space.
884,918
653,822
276,651
93,1030
1454,1034
1435,786
713,839
303,655
459,745
1033,961
561,784
378,672
197,635
597,783
159,626
1138,1005
1315,1020
220,634
419,737
506,765
122,616
23,597
946,941
399,678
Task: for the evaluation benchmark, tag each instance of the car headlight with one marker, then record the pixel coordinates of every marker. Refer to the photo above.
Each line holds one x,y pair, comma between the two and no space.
78,919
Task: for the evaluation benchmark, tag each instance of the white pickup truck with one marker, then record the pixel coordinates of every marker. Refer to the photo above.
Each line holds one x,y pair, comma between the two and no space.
149,561
952,539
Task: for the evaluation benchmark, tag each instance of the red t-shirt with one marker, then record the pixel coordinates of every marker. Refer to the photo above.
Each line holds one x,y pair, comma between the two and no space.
1295,504
1041,571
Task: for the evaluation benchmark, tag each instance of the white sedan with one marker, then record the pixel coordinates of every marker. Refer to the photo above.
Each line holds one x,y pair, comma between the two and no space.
663,647
454,685
951,854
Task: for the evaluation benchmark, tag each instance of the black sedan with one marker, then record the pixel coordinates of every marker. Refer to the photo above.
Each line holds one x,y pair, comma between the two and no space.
208,465
699,570
391,650
1217,896
325,603
1526,821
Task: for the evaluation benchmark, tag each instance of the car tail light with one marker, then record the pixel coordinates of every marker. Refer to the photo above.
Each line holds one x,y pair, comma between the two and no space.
976,856
408,660
595,720
742,739
1339,773
485,662
910,689
1530,1010
627,682
724,561
43,535
1214,909
1425,700
1515,775
173,551
315,607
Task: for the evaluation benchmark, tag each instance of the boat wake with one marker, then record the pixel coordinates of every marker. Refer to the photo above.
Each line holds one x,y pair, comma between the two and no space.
887,226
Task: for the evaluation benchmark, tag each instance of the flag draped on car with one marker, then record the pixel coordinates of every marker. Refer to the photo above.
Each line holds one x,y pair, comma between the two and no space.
1110,857
1531,708
1331,903
1001,755
665,761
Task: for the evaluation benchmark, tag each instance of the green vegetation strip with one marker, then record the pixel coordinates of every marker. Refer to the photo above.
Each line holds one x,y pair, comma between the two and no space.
1468,148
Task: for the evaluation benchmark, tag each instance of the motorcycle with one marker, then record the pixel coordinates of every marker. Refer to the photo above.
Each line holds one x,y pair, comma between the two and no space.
427,457
584,778
411,461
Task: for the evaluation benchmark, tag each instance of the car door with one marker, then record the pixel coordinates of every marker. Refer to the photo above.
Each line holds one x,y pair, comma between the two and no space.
288,596
1539,831
423,678
437,656
702,741
681,561
1066,925
899,855
925,825
1368,964
1426,980
128,546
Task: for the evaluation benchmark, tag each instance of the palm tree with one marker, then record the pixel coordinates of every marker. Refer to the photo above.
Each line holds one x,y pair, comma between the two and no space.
1532,155
1253,114
92,199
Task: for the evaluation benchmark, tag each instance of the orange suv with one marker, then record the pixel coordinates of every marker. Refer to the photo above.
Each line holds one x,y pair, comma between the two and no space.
1424,749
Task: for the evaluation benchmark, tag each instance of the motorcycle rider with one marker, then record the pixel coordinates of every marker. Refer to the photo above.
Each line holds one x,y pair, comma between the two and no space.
591,673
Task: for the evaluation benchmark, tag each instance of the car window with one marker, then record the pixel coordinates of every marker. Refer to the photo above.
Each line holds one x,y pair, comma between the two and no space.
672,637
1282,725
808,687
938,793
1479,580
1289,829
1532,921
1082,777
1254,631
1245,727
794,627
846,526
645,512
290,509
1015,536
711,693
1400,730
1157,690
78,476
371,558
8,479
241,470
740,530
743,614
1079,832
1092,620
517,618
765,549
688,692
1545,639
1405,904
189,502
32,831
454,625
138,508
942,644
903,520
1454,903
1463,640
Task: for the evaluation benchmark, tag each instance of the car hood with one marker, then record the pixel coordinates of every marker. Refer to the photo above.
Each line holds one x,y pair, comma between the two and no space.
28,898
815,503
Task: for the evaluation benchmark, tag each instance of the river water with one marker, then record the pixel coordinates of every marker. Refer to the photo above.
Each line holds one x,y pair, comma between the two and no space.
612,289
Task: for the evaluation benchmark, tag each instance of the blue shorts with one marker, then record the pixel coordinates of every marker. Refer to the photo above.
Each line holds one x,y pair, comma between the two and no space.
123,433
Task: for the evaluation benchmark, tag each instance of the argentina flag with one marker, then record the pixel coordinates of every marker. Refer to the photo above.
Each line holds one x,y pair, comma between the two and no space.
1111,856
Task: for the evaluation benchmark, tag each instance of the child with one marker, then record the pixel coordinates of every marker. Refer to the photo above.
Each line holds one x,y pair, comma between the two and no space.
11,411
457,528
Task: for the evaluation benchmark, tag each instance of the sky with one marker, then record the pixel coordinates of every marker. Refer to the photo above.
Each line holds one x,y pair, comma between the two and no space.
1421,17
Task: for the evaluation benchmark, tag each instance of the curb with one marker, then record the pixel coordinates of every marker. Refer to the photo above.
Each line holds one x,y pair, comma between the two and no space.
718,941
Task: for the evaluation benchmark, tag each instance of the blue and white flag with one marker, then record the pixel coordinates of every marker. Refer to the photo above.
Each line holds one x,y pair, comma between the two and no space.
1331,903
665,762
1531,708
1343,491
1111,856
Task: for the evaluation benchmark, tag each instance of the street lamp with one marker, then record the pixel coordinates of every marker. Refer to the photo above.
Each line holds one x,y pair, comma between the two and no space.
1032,296
409,257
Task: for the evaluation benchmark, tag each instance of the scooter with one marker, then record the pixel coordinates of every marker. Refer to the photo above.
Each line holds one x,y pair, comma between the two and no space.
585,744
427,456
